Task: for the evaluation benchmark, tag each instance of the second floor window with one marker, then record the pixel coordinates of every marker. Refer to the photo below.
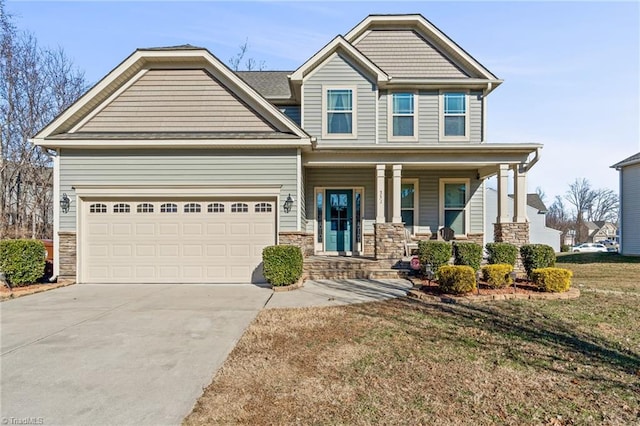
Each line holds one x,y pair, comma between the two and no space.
339,111
402,110
455,111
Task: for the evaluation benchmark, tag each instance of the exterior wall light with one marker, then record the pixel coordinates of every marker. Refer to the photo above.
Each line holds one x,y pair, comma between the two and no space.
65,202
287,204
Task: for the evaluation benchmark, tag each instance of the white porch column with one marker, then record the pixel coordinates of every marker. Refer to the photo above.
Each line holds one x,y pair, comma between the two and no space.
380,216
397,188
503,194
520,194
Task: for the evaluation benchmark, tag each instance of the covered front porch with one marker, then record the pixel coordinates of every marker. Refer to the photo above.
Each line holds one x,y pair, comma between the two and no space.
372,203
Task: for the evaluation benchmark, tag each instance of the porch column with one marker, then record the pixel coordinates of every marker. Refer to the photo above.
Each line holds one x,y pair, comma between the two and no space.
397,188
380,216
503,196
520,194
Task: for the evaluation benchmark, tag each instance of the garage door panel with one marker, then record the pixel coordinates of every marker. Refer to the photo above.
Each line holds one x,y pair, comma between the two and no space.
176,244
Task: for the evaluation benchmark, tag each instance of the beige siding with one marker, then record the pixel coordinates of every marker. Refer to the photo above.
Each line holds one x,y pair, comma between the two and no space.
213,167
404,53
177,101
475,116
338,72
630,209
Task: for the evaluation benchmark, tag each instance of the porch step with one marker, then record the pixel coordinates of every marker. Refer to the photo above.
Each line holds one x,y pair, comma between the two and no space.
328,267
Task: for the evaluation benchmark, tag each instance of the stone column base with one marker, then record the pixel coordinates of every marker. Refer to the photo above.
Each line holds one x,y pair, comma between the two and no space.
67,256
389,240
369,246
513,233
300,239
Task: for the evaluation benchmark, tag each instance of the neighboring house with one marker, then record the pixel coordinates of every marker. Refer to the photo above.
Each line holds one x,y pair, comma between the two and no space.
180,170
600,231
629,222
539,233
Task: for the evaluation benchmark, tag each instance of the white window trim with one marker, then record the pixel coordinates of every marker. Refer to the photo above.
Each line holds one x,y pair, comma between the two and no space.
467,131
354,112
390,136
416,205
467,185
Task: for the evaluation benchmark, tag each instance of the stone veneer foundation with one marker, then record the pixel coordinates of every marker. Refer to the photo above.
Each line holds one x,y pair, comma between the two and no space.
300,239
369,245
389,240
67,256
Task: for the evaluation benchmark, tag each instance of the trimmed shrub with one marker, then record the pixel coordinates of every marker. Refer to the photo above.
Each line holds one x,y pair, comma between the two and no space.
469,254
565,248
497,275
554,280
434,253
282,264
22,261
536,256
504,253
456,279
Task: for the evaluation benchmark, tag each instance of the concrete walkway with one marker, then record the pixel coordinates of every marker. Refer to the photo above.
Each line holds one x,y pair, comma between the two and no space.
339,292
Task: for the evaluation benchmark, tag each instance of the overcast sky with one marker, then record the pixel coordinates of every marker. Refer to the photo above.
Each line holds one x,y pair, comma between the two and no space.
571,70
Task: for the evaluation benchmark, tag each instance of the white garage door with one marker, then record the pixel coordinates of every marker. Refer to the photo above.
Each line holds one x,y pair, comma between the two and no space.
170,241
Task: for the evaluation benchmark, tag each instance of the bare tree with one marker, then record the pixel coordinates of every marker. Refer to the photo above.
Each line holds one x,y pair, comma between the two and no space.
604,206
581,197
250,64
36,84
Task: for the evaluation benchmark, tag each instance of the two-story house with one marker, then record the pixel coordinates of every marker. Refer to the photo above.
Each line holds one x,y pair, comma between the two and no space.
180,170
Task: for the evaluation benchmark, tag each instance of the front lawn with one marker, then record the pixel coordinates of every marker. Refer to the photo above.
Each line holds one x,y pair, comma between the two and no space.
407,361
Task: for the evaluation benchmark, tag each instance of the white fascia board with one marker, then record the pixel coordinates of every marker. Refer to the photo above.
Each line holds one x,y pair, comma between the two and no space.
171,143
444,147
326,52
444,83
427,28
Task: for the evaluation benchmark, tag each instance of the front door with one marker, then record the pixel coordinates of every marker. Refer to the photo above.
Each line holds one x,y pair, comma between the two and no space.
339,219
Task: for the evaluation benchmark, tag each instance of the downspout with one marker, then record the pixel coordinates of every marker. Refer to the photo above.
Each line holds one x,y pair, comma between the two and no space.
531,163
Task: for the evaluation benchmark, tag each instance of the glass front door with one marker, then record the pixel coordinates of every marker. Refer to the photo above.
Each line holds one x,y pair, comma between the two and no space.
339,220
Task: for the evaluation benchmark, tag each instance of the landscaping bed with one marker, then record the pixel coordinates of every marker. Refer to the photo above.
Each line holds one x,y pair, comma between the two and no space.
6,293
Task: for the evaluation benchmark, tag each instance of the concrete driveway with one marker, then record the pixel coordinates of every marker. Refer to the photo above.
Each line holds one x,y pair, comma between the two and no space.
117,354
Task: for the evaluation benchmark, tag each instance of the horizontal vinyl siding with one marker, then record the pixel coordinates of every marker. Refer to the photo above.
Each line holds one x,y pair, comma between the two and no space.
215,167
429,117
404,53
475,117
630,209
429,197
340,73
341,178
175,101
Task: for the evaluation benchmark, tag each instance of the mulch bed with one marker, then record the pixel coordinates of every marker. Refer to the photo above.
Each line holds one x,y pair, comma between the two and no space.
6,293
429,290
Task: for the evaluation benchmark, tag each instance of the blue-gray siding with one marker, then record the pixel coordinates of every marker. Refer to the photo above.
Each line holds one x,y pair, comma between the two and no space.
339,72
428,198
201,167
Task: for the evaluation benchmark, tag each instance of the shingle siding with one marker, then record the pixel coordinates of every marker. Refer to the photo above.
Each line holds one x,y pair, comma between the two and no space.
404,53
214,167
177,101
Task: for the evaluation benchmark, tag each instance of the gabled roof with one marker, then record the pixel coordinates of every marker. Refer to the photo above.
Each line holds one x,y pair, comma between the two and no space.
431,33
134,67
339,44
634,159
